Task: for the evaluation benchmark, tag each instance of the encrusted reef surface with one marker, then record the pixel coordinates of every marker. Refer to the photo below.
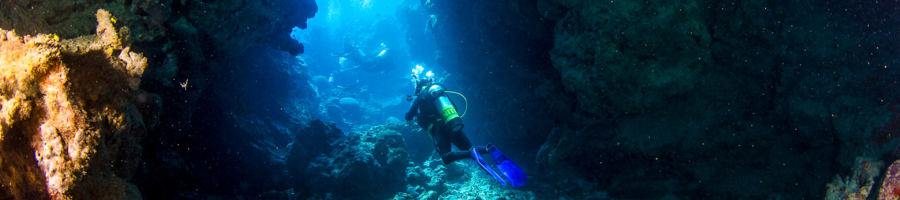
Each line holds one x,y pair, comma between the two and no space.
860,184
367,164
687,99
71,117
78,94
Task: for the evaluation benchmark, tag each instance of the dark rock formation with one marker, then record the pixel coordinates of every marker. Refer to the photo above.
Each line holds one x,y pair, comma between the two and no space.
696,99
420,40
688,79
418,143
319,139
368,164
244,121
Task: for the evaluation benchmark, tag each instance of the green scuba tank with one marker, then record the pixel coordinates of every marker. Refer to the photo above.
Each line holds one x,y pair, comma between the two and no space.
445,107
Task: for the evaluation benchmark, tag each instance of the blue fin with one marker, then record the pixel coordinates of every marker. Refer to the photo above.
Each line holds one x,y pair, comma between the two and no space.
508,168
486,167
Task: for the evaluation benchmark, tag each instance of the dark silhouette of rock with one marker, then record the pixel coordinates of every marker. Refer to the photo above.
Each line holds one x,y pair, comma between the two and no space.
367,164
639,93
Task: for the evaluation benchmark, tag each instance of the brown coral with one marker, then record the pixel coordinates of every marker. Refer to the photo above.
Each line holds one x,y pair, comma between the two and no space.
68,129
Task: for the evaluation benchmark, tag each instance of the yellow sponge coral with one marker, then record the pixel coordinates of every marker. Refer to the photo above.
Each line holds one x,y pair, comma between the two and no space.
68,102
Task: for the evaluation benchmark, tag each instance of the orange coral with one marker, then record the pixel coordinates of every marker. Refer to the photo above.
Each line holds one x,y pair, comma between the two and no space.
65,122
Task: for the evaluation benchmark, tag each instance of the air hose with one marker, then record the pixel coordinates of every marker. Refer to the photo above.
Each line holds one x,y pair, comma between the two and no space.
464,99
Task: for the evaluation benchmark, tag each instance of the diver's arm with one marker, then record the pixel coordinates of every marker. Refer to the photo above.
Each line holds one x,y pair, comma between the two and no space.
413,110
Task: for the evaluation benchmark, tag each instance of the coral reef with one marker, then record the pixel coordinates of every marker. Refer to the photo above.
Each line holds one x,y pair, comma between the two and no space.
71,19
419,144
890,186
349,109
357,162
431,175
857,186
459,180
350,105
189,43
319,139
325,162
69,128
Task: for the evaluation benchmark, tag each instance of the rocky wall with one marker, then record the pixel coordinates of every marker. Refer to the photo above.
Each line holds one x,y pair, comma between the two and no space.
184,40
698,86
324,162
668,95
183,44
240,129
71,118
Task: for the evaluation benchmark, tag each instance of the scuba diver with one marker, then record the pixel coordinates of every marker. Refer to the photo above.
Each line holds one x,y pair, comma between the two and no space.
354,57
437,114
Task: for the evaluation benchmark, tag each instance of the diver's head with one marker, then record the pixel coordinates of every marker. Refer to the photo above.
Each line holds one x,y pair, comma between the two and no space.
421,83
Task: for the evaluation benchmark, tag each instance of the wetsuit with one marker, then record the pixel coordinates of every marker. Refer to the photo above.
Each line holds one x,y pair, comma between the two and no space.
427,117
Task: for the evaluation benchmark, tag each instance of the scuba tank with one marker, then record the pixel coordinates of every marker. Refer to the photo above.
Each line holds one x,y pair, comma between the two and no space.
384,61
445,107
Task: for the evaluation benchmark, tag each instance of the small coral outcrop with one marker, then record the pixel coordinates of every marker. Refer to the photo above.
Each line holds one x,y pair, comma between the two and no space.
890,187
859,185
68,126
322,160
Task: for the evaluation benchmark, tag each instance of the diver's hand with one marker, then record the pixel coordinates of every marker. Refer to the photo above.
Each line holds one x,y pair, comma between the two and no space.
409,116
409,98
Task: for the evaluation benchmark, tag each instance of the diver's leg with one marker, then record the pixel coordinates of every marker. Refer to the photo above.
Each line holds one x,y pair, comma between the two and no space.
443,139
449,157
460,140
463,143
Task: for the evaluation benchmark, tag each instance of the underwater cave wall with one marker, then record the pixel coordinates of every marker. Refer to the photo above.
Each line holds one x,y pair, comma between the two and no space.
244,122
762,99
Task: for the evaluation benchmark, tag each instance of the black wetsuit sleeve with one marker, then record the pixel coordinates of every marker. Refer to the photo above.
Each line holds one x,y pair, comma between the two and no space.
413,110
